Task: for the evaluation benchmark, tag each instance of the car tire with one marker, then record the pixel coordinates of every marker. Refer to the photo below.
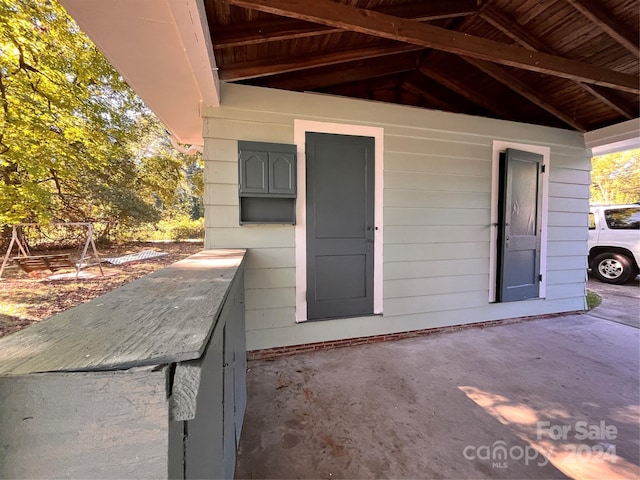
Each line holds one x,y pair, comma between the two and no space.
613,268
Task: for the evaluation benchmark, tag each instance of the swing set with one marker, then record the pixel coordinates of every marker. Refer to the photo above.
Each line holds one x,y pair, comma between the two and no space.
57,261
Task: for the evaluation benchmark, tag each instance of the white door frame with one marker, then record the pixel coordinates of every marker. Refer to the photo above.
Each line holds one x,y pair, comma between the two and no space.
300,128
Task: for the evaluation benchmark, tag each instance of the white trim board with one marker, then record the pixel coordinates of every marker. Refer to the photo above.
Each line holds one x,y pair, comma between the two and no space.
614,138
301,127
500,146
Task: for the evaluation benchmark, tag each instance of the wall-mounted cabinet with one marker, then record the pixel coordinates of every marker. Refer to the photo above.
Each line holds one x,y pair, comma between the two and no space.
267,174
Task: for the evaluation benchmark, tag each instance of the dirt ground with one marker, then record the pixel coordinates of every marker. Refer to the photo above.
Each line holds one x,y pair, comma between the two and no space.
28,298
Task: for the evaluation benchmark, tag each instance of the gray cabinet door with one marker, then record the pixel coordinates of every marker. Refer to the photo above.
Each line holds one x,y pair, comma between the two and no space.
254,172
340,230
520,223
282,173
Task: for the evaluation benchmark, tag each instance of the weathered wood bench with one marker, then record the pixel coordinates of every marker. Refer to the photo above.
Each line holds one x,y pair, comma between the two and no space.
52,262
146,381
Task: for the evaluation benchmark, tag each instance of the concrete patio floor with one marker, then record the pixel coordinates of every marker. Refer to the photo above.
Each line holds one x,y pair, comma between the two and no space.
549,398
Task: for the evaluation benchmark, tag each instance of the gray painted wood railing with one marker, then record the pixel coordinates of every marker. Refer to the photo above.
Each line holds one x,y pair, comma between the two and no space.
146,381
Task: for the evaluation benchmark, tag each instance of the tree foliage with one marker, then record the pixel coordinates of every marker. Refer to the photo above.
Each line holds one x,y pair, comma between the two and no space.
615,178
76,143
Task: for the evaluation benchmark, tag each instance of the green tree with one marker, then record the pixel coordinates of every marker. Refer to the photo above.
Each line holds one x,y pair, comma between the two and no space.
61,111
615,178
168,177
76,143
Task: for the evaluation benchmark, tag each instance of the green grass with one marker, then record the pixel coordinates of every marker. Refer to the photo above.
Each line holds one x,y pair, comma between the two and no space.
593,300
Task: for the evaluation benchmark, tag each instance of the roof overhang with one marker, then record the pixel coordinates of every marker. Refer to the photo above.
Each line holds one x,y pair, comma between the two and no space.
163,50
615,138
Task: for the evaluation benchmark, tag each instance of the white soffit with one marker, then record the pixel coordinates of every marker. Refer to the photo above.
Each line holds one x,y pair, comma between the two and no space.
162,48
615,138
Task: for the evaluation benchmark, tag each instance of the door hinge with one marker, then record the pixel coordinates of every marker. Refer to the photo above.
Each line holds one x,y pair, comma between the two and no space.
543,168
540,277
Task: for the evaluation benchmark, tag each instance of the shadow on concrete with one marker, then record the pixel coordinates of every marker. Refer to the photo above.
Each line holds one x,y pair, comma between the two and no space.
550,398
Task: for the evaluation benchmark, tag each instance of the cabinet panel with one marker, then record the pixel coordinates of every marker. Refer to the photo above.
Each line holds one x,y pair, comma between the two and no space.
282,173
254,172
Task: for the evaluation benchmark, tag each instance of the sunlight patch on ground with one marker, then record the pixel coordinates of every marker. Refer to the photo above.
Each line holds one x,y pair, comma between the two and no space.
579,449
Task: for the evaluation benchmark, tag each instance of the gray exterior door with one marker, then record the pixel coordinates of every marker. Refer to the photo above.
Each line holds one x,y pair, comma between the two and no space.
520,220
340,225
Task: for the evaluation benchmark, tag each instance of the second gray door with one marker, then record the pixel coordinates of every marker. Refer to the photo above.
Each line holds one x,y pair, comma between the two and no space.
520,221
340,181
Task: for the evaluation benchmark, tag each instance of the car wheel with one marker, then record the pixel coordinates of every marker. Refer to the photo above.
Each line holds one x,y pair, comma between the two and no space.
612,268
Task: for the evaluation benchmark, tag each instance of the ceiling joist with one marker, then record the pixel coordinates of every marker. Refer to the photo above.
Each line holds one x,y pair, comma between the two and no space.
463,90
269,67
437,95
603,19
501,75
278,29
368,22
358,71
520,34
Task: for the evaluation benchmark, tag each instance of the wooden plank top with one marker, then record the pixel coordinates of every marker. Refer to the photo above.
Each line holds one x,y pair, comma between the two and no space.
162,318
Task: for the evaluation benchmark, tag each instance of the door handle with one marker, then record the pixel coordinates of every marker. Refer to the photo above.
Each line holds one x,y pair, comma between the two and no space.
369,235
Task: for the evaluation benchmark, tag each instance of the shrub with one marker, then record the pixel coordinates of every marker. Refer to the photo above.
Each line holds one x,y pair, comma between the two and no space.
184,228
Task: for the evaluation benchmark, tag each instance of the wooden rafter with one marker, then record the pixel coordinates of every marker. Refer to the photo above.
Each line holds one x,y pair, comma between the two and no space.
368,22
248,33
271,66
439,96
511,28
611,99
363,88
521,35
514,83
463,90
607,22
357,71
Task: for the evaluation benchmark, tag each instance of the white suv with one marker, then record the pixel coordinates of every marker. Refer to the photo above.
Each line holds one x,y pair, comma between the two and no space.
614,242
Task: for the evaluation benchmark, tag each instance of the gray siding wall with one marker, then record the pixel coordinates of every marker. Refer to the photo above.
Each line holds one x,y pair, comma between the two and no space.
437,189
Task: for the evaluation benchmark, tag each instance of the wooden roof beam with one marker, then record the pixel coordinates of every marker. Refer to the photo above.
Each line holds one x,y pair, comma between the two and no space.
376,83
252,33
519,34
463,90
512,29
613,100
368,22
271,66
354,72
607,22
501,75
439,96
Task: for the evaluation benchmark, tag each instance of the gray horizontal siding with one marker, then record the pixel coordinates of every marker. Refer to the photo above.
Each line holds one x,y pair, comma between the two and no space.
267,318
435,217
411,252
576,205
569,190
258,278
277,297
430,163
436,182
437,188
435,303
436,268
567,262
435,234
418,287
399,197
568,219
